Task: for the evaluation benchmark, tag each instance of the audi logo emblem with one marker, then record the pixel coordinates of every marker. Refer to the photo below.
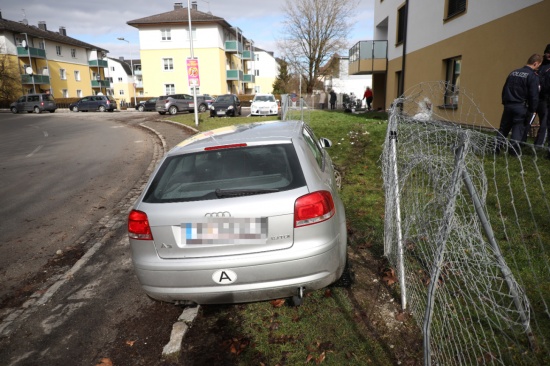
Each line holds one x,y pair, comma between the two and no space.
217,214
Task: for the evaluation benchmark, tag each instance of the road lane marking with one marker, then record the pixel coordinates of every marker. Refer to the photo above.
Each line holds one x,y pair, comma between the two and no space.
35,151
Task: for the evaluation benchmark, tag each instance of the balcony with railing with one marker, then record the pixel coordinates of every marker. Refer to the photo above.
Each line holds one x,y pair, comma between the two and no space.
35,79
248,55
234,47
368,57
33,52
234,75
249,78
101,84
97,63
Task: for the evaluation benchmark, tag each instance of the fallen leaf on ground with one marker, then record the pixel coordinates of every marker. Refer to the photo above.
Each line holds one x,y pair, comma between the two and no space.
130,343
277,303
105,362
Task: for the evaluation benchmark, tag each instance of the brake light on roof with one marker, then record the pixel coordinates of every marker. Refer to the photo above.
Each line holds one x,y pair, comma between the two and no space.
313,208
220,147
138,226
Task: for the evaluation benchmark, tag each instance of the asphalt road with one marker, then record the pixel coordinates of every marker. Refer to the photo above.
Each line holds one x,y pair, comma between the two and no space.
67,182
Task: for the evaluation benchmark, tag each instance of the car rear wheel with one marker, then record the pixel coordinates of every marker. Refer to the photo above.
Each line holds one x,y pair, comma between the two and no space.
75,109
141,108
101,108
173,110
13,110
202,108
36,110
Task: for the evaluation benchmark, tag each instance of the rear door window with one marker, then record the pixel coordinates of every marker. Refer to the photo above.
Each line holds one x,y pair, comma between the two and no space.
233,172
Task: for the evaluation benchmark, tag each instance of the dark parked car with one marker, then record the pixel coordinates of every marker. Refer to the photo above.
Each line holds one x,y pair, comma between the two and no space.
147,105
34,103
100,103
175,103
226,105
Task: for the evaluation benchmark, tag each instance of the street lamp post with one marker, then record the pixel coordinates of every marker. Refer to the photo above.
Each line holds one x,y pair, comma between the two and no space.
131,66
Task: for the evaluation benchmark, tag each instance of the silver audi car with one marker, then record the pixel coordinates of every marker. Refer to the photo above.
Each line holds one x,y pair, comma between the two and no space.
239,214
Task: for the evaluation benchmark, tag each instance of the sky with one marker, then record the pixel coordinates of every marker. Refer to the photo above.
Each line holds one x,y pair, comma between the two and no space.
101,22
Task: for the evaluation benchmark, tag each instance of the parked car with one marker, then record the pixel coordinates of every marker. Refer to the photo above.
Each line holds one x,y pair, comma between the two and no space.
264,105
36,103
147,105
226,105
175,103
208,99
238,214
100,103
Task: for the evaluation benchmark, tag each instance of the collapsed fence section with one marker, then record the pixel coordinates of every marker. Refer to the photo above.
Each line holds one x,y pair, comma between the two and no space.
466,229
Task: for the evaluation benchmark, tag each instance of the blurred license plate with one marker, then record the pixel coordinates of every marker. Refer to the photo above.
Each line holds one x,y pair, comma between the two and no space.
224,230
221,113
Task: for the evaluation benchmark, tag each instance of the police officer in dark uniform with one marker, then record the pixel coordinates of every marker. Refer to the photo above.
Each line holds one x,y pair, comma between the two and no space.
520,97
544,99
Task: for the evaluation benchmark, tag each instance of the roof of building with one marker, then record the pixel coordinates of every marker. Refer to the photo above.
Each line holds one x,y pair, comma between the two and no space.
179,15
42,32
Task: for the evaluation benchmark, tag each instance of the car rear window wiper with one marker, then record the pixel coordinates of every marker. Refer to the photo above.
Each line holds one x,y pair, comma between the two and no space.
222,193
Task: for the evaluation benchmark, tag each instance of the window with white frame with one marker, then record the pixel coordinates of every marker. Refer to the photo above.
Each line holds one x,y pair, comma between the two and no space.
58,50
112,68
194,33
166,34
121,92
257,56
42,45
169,89
79,93
257,72
168,64
257,89
64,93
63,74
77,75
401,18
73,52
120,80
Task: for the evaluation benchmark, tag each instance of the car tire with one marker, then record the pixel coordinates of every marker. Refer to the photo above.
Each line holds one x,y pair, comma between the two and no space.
101,108
36,110
202,108
173,110
141,108
75,109
240,111
13,110
347,278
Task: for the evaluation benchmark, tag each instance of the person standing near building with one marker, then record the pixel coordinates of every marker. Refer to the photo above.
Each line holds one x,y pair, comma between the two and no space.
368,95
520,97
332,99
544,97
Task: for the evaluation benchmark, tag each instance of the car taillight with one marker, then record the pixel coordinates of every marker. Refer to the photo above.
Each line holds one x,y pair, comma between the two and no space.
138,226
42,104
313,208
108,102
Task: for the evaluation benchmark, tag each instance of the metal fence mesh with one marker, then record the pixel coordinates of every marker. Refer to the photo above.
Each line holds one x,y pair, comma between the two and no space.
466,229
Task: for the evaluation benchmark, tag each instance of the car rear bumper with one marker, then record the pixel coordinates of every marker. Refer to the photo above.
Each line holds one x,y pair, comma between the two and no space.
258,277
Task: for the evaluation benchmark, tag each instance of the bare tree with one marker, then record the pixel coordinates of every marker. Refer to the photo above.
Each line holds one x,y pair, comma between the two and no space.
10,79
315,30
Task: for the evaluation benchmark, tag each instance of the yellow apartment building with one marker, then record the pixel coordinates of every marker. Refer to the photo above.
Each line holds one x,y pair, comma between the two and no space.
51,61
226,58
471,44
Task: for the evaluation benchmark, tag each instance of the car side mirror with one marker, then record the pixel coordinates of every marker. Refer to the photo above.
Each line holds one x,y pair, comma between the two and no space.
325,143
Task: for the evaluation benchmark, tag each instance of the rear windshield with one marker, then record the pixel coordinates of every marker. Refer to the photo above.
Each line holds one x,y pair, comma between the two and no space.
226,173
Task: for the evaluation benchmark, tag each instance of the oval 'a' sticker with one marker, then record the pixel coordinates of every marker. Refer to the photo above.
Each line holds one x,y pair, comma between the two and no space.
224,277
